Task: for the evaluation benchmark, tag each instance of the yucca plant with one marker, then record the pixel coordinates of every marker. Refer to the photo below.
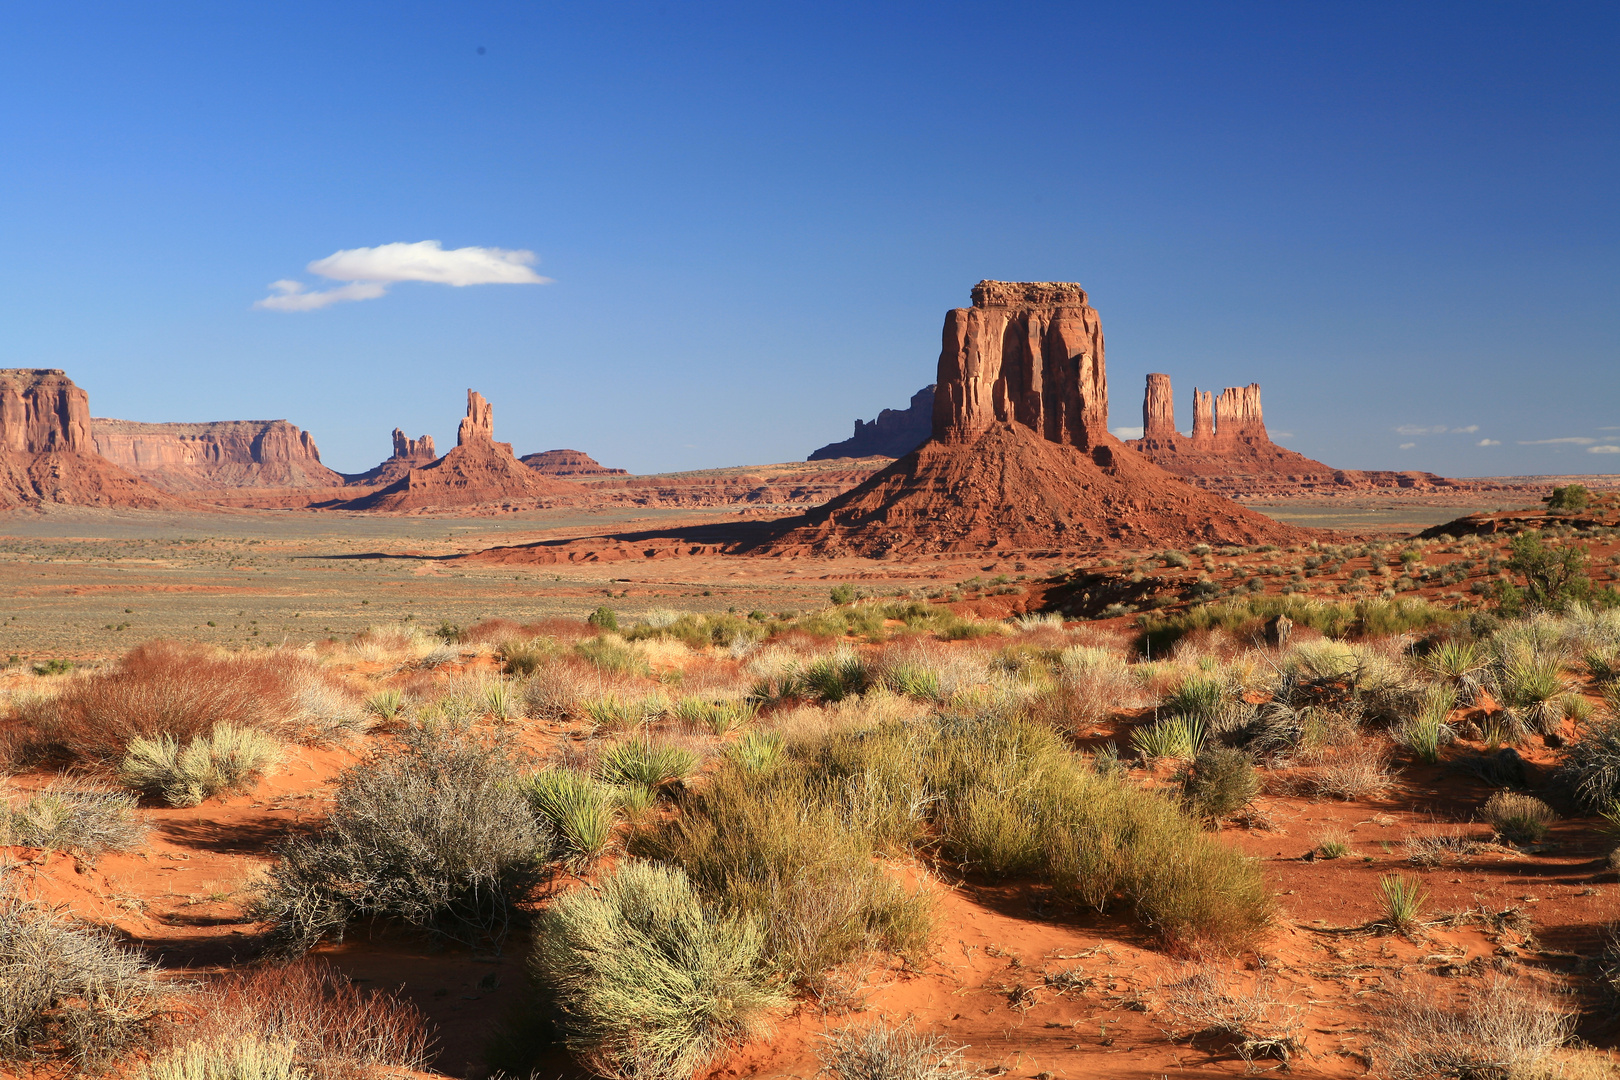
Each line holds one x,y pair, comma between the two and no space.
718,717
387,703
757,751
1176,738
1427,731
1518,818
1198,696
500,699
836,676
1403,900
610,712
1532,685
1602,664
913,680
1459,663
643,761
578,809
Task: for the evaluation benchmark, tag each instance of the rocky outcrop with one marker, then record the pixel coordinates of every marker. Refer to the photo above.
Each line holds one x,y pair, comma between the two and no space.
408,454
895,432
1027,353
1230,451
47,455
213,456
1021,458
418,451
568,463
479,471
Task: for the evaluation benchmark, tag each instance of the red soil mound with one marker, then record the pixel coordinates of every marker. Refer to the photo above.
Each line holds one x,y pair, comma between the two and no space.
1010,489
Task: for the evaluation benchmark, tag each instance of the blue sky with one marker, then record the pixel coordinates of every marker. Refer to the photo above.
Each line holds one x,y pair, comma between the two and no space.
1399,218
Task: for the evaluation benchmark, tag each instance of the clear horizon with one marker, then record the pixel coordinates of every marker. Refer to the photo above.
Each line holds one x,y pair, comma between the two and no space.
680,237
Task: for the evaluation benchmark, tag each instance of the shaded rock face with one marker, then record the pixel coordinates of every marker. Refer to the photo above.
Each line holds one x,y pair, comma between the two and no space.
895,432
1026,353
568,463
413,450
476,472
1229,450
1021,458
47,454
217,455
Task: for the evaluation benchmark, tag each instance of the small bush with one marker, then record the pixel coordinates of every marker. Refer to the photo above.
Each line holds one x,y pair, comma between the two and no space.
1220,782
642,761
611,656
842,594
878,1052
1591,765
438,834
386,704
648,981
250,1057
1532,685
526,657
227,758
1200,697
1518,819
1553,577
555,692
604,618
836,676
328,1026
1503,1030
578,809
1333,845
64,818
1209,1001
1403,899
1354,772
717,717
757,751
69,991
613,713
1569,497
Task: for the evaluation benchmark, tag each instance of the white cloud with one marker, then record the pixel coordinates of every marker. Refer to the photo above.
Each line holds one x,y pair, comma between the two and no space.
1127,433
369,272
1576,440
1407,445
1488,442
1469,430
1282,434
1416,429
1605,449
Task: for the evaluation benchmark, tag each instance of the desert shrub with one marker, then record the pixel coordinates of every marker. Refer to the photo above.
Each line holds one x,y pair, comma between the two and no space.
647,762
1353,772
1532,685
611,712
1569,497
1198,696
1504,1029
437,833
68,818
696,631
717,717
604,618
1333,844
1403,899
329,1027
1517,818
70,992
227,758
249,1057
578,809
913,680
836,675
520,657
879,1052
500,699
609,654
1244,618
386,704
948,626
1553,576
648,981
1220,782
555,691
1175,738
1591,765
1427,731
162,689
1209,1001
757,751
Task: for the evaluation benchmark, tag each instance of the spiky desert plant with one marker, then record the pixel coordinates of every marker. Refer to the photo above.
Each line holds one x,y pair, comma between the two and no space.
1175,738
386,703
1518,818
499,699
1531,685
1198,696
644,761
1425,732
578,809
1403,899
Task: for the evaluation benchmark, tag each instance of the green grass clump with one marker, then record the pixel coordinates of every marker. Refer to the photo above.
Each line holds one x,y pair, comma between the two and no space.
757,751
698,631
386,704
520,657
64,818
1367,618
1532,685
643,761
717,717
647,979
610,712
578,809
1198,696
226,758
611,656
1176,738
1403,899
1518,818
913,680
1425,732
1220,781
835,676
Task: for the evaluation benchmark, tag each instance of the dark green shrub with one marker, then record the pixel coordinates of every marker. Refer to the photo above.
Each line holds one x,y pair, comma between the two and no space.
603,618
1569,498
1553,576
842,594
648,981
438,834
1220,782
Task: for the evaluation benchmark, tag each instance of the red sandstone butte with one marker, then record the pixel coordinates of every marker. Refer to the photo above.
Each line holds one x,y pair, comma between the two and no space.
1021,458
189,458
408,454
478,471
895,432
1230,451
46,452
568,463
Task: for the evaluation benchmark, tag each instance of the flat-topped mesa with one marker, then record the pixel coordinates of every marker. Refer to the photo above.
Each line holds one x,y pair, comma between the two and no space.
1028,353
417,451
568,463
215,455
41,411
479,423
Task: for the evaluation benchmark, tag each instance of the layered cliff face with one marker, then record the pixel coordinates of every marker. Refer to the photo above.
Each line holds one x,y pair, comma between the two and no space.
214,456
1230,451
1021,458
419,451
895,432
568,463
1027,353
46,451
477,471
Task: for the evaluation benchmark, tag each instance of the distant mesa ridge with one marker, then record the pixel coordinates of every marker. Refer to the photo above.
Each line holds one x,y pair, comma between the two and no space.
1230,451
183,457
47,454
895,432
568,463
